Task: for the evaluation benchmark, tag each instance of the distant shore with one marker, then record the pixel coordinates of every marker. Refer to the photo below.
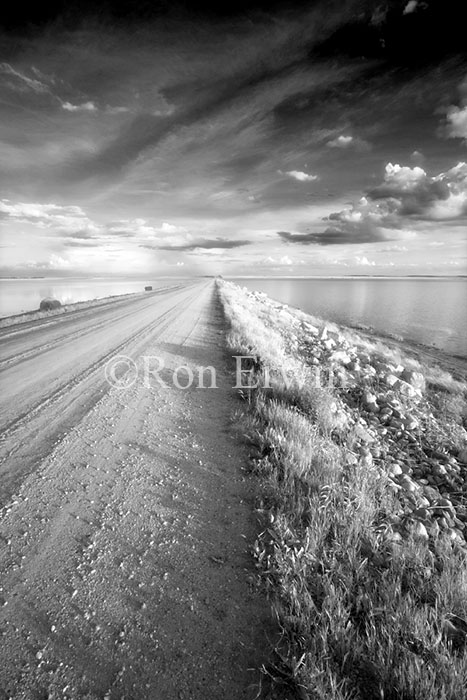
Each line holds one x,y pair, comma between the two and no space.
36,314
343,277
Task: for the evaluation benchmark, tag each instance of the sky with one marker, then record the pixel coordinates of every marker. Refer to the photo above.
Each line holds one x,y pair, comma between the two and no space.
154,139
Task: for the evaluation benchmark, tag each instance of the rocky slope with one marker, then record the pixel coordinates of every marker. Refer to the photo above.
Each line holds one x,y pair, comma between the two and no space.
386,401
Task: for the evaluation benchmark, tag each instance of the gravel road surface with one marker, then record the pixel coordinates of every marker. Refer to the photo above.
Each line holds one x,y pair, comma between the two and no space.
126,514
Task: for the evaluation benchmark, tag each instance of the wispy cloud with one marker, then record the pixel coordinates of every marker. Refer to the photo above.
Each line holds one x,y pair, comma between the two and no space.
19,81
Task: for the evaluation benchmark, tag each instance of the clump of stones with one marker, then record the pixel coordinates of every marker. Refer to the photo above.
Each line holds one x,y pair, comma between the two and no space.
385,409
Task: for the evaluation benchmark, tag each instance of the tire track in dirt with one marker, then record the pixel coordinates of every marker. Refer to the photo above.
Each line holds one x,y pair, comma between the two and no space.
124,554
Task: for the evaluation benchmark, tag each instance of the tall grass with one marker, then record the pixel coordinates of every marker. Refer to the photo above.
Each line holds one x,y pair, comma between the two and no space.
364,614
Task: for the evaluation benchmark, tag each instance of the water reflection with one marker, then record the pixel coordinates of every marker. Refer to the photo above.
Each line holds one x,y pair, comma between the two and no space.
431,311
25,295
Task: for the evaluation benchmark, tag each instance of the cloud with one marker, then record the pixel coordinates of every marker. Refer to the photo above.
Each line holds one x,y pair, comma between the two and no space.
345,142
455,126
300,176
55,262
142,230
396,249
67,219
75,229
84,107
283,260
205,244
363,260
303,238
20,82
417,157
388,211
76,242
341,142
410,7
170,228
347,233
411,192
402,178
457,123
171,126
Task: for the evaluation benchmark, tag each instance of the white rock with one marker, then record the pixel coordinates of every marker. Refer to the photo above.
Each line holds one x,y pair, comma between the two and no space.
395,470
419,530
407,390
367,459
363,434
408,484
340,356
391,379
329,344
340,419
415,379
311,329
368,397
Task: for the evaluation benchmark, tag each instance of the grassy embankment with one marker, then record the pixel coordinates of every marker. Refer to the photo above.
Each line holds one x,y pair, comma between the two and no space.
362,554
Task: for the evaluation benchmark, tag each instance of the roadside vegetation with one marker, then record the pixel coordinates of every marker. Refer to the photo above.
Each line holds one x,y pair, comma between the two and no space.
364,504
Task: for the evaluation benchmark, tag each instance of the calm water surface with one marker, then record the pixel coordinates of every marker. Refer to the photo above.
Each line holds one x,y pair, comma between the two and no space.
25,294
430,311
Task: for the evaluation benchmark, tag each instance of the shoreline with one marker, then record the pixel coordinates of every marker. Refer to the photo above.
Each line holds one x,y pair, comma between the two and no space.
36,315
454,363
363,502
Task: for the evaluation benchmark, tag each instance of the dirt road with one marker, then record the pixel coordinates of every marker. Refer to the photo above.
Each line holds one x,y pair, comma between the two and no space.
126,514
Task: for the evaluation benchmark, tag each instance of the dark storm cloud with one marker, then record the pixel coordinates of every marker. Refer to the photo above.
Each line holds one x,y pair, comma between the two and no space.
337,236
206,244
303,238
416,200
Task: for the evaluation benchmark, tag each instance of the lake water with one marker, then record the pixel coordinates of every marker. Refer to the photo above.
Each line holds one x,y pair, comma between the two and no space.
430,311
18,295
